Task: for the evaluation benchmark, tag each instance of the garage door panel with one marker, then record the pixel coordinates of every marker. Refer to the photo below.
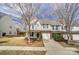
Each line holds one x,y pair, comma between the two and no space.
46,36
75,37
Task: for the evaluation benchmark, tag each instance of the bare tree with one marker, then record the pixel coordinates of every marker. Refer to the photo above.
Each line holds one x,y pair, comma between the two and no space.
28,11
68,13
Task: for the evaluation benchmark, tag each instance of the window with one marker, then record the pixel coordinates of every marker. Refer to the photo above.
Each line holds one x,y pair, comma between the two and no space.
32,34
32,26
45,25
57,26
10,27
10,32
62,27
53,27
4,34
37,35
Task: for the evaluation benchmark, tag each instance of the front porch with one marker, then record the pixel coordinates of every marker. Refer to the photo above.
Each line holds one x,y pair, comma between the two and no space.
35,35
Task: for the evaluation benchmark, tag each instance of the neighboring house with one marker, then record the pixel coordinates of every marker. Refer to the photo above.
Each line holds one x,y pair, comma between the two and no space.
10,28
19,24
20,27
7,26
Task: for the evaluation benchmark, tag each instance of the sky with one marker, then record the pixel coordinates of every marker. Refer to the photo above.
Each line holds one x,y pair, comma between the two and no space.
4,9
45,12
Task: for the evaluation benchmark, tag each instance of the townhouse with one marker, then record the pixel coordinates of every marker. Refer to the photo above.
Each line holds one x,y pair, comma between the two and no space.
46,28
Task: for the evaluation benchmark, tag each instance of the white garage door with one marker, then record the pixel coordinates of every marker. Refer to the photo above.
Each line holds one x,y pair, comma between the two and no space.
76,37
46,36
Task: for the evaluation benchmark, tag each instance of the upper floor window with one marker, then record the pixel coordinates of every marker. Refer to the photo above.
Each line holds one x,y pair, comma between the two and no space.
10,27
45,25
32,26
62,28
53,27
56,27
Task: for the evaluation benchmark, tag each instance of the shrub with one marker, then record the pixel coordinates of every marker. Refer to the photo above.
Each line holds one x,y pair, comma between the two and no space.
57,37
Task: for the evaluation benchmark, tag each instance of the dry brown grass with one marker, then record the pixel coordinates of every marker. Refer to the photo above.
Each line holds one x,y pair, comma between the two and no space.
19,41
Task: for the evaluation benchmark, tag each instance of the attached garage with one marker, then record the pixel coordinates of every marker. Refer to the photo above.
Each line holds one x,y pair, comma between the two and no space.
75,36
46,36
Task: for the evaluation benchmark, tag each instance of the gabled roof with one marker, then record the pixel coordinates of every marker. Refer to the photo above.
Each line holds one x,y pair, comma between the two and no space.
51,22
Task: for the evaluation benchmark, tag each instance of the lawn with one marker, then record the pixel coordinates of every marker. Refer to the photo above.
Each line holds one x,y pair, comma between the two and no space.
19,41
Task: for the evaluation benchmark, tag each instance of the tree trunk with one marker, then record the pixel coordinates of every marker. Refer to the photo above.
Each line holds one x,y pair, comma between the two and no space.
69,34
28,33
29,41
29,38
70,38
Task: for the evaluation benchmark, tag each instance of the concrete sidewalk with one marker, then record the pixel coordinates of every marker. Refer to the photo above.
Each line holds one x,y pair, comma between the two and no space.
54,48
22,48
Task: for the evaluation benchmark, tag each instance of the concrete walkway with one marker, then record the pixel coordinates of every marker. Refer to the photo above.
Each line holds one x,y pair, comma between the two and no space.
54,48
